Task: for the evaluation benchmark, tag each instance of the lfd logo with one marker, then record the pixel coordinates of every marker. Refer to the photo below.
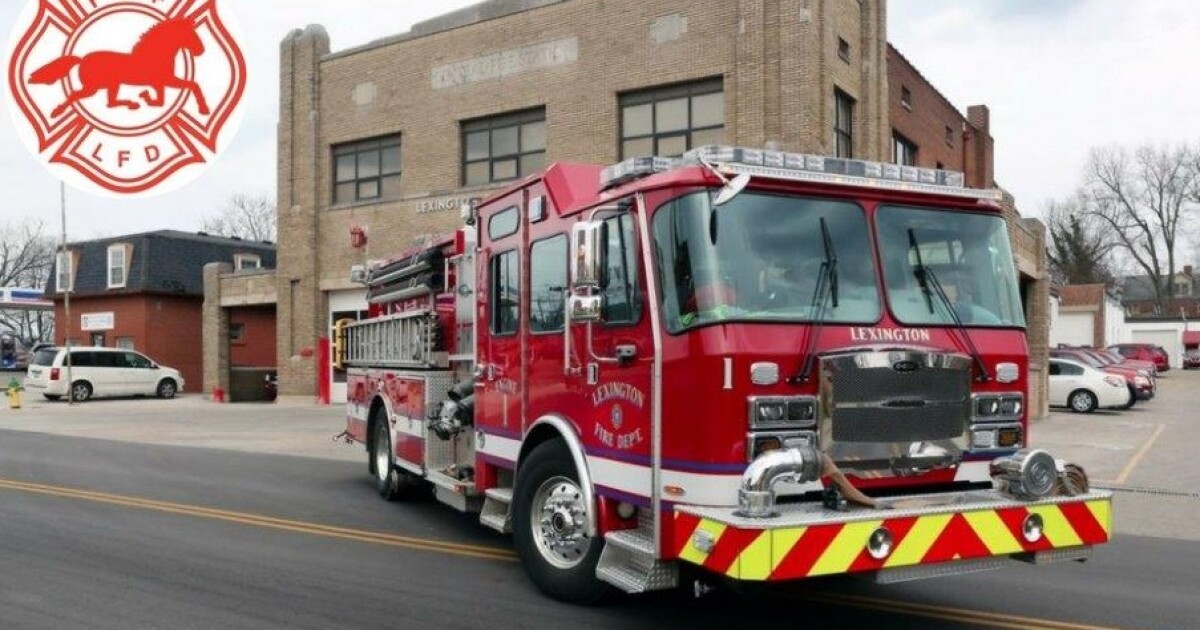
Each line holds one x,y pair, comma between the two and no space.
126,97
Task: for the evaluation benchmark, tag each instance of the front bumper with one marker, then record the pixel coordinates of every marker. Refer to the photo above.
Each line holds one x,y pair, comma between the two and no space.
944,533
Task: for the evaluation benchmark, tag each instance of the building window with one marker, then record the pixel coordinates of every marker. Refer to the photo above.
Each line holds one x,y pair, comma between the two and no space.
906,98
505,293
117,266
843,125
243,262
670,121
237,333
98,339
949,135
126,343
502,148
367,170
63,277
904,152
844,50
548,284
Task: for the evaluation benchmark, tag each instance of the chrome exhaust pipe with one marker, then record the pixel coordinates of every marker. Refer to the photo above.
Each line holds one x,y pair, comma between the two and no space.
756,497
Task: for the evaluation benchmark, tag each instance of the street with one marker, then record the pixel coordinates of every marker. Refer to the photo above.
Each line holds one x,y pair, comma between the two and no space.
146,533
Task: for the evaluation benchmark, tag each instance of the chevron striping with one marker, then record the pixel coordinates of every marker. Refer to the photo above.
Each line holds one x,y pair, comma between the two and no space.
685,526
799,560
919,540
1102,510
694,555
845,548
993,532
755,561
1057,529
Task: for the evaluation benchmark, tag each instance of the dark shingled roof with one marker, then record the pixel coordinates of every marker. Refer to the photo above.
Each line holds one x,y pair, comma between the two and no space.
163,262
1141,288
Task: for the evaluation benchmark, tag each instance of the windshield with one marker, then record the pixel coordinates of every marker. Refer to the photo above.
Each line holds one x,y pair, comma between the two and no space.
759,259
968,253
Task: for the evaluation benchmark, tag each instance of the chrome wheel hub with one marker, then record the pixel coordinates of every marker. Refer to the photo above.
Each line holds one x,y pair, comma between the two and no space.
559,522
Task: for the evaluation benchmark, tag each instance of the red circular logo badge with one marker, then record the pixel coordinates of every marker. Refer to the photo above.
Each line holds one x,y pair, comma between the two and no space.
126,97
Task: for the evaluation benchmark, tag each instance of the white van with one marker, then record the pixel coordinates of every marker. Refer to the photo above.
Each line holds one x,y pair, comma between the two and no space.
100,372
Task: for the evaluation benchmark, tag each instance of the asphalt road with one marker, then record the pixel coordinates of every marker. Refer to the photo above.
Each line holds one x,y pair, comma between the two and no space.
100,534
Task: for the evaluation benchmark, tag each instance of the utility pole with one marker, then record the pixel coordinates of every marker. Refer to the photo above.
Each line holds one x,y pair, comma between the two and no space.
66,257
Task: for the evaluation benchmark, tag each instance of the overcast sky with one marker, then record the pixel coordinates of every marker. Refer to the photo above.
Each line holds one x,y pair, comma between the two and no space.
1060,77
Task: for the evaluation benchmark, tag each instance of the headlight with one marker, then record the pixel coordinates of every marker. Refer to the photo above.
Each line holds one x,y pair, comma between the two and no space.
1115,381
998,407
987,406
1011,405
799,412
1141,381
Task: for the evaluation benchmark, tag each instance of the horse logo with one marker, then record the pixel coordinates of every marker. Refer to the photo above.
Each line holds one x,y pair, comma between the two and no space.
126,97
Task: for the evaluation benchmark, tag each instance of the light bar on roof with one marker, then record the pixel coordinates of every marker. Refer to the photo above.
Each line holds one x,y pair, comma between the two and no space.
806,168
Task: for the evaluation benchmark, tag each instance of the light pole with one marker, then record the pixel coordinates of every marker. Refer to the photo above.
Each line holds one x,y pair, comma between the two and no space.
66,258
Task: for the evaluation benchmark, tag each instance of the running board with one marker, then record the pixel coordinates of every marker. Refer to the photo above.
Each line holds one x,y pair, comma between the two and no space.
458,494
497,512
630,562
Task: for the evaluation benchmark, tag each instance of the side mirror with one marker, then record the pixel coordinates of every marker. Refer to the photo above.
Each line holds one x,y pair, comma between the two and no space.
587,255
586,308
732,189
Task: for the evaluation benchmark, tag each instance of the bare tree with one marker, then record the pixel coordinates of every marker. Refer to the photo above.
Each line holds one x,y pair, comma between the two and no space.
26,257
1080,245
1145,198
249,217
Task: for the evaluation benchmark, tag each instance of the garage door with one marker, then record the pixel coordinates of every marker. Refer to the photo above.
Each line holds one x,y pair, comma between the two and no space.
1170,340
1073,329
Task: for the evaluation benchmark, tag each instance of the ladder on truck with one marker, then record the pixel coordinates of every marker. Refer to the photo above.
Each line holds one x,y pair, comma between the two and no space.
404,340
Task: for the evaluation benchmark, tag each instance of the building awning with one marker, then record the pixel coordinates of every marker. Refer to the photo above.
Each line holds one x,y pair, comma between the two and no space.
1191,339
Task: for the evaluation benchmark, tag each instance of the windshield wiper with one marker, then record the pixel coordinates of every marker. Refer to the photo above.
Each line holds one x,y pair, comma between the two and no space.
930,286
826,290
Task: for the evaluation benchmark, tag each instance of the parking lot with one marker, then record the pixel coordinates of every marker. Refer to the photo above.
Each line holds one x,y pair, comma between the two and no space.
1145,453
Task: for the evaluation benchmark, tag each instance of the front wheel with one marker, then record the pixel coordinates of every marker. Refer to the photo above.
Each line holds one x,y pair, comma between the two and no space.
167,389
550,521
81,391
1083,401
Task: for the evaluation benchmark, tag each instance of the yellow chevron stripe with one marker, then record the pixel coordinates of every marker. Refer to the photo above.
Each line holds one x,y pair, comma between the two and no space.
695,556
920,538
782,542
754,563
844,549
1102,510
1059,531
993,532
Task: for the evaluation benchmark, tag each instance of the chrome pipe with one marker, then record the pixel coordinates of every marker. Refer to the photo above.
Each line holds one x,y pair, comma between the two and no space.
756,497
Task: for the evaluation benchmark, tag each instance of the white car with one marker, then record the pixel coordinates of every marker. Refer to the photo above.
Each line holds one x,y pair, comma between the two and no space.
1083,388
100,372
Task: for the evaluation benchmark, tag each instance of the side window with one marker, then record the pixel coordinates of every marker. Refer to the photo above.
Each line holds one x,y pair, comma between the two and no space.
505,281
1055,369
82,359
548,284
1072,370
108,360
134,360
622,298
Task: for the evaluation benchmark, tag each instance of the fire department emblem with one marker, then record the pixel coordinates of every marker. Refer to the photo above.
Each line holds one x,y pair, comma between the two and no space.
125,97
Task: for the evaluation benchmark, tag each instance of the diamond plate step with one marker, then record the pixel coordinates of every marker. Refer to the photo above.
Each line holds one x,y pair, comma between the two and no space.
496,512
630,563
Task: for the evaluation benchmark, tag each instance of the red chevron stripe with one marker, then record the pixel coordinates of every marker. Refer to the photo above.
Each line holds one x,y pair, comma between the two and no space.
899,528
805,553
1014,519
957,540
731,545
685,526
1081,518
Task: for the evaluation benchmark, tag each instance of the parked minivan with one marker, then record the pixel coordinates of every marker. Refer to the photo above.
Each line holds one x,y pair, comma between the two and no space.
100,372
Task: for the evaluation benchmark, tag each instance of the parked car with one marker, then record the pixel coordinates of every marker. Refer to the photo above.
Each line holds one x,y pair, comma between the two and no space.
1145,352
1148,366
1141,384
1191,359
100,372
1083,388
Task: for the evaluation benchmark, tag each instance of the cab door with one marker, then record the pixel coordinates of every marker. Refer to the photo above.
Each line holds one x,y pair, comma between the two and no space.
500,278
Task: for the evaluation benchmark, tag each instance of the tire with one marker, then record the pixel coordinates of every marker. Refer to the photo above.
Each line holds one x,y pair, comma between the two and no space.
1132,398
167,389
81,391
392,483
549,518
1082,401
51,397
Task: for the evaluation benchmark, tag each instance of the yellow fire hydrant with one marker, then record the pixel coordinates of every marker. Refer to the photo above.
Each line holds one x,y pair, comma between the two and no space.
14,394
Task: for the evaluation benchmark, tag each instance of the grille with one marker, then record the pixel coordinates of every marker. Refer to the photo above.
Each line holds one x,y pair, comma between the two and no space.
888,398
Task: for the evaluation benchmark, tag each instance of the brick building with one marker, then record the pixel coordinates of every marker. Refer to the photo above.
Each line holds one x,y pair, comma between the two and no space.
392,137
145,292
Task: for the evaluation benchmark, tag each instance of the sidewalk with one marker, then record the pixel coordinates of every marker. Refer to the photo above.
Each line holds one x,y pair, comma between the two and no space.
288,428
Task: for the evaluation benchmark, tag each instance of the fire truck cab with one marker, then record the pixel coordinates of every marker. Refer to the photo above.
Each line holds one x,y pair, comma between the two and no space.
755,365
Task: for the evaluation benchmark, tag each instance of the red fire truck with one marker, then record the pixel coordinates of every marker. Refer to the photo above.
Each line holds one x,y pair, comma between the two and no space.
740,364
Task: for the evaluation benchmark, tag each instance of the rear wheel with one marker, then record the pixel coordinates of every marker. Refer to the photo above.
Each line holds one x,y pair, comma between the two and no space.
550,521
81,391
1083,401
392,483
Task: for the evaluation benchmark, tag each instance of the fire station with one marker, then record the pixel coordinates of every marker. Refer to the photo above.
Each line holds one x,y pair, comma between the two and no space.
381,145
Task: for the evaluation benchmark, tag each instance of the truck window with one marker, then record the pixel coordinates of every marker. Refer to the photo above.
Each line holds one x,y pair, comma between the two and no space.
622,300
505,281
504,223
548,284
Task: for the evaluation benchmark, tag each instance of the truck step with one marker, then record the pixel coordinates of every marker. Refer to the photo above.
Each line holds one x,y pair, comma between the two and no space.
496,512
629,562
